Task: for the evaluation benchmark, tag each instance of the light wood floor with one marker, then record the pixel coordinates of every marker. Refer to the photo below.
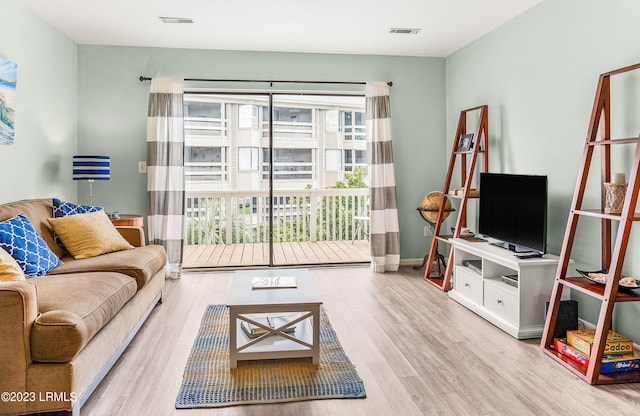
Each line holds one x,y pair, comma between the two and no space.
418,352
290,253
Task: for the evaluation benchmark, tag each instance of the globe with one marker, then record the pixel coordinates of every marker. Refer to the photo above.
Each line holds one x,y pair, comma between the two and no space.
430,206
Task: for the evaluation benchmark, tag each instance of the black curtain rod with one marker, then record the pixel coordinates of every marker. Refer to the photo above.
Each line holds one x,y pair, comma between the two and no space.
143,78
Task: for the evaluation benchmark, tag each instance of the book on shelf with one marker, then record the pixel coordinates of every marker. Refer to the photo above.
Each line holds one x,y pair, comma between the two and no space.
273,282
273,322
560,345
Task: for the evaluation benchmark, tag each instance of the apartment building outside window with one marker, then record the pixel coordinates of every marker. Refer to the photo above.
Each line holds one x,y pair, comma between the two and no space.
351,161
354,125
316,141
205,130
289,164
248,158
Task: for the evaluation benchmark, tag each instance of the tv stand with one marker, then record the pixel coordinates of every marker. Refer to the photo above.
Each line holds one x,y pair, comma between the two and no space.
518,310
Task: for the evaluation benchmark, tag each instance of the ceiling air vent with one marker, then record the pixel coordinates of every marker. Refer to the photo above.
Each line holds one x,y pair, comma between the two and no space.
404,31
176,19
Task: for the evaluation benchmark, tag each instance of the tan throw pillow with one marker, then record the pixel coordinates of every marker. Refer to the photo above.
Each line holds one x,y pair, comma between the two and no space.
88,235
10,271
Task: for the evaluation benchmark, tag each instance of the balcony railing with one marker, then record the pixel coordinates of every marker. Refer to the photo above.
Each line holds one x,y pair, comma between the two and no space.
235,217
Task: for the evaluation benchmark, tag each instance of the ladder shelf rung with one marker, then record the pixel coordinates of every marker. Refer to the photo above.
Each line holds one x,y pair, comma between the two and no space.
459,196
583,285
621,377
435,280
614,141
599,213
595,290
468,152
444,238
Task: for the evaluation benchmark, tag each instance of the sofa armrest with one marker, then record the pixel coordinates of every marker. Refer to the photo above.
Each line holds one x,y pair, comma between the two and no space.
18,311
134,235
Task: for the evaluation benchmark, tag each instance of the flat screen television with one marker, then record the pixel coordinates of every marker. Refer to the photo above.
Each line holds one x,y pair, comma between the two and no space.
513,210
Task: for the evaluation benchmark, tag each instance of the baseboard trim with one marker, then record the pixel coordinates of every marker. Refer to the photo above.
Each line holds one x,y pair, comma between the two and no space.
410,262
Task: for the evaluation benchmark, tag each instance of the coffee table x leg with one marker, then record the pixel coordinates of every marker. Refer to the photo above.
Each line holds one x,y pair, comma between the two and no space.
312,344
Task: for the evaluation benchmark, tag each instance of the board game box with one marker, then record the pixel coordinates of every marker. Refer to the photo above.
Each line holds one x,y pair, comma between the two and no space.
582,340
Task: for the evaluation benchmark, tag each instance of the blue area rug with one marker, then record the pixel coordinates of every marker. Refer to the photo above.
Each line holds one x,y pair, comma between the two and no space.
209,382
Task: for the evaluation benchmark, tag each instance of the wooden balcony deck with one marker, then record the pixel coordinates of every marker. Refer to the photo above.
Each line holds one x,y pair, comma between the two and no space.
294,253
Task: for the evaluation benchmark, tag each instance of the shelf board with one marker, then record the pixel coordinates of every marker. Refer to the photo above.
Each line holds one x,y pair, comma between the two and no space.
467,152
599,213
450,195
444,238
581,370
575,367
614,141
584,285
436,280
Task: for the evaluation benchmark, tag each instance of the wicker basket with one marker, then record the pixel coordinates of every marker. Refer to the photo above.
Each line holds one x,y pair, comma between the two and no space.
614,197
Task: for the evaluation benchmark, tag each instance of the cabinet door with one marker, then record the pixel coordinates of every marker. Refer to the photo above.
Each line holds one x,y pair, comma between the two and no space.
468,284
499,299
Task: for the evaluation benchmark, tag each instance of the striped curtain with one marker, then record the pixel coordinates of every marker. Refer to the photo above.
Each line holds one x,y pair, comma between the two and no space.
165,169
385,235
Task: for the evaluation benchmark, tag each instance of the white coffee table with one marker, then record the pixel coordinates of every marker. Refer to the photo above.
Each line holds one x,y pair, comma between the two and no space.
246,304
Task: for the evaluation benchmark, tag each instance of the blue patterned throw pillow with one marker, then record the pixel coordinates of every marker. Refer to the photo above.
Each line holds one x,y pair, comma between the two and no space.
64,208
26,246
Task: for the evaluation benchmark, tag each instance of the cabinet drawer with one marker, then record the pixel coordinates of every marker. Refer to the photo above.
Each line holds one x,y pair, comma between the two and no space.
468,284
501,301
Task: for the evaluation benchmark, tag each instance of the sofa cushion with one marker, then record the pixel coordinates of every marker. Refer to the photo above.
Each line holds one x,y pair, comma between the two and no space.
140,263
72,309
10,270
89,234
20,239
64,208
37,211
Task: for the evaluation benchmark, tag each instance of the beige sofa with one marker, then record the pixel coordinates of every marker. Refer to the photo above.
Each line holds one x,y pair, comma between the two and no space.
61,333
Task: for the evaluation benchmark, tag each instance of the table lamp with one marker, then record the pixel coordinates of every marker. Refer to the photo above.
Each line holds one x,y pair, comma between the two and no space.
91,168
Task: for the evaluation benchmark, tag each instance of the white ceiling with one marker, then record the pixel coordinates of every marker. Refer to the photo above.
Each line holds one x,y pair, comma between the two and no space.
320,26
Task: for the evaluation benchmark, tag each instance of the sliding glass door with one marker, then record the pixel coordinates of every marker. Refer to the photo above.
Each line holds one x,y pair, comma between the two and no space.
274,179
319,180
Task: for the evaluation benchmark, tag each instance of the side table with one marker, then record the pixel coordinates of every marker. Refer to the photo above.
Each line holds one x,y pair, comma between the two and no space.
131,228
128,220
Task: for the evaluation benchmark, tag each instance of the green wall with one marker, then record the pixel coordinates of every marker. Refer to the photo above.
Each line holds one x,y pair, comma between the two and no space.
538,74
113,106
38,164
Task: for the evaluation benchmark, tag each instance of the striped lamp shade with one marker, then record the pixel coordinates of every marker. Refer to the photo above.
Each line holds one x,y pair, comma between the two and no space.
91,168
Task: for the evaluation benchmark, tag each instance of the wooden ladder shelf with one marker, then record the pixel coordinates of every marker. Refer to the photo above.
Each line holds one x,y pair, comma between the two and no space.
611,260
464,158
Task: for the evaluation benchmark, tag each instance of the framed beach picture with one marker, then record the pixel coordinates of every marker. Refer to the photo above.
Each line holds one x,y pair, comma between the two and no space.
465,143
8,80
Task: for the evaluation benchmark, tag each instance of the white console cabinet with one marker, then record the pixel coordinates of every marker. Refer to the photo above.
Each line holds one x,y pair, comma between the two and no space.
517,310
